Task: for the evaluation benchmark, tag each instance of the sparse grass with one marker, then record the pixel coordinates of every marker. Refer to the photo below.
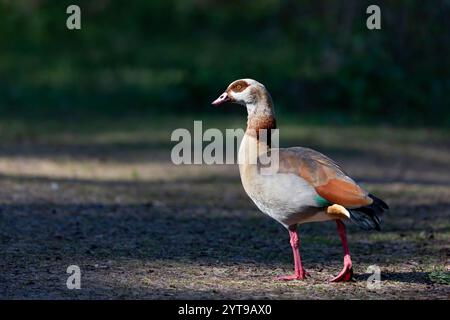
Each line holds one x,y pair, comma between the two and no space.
440,276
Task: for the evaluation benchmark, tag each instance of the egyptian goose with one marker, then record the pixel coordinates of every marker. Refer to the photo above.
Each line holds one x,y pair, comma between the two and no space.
306,186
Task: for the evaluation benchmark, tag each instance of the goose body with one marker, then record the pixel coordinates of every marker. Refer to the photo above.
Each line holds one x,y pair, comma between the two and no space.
306,186
285,197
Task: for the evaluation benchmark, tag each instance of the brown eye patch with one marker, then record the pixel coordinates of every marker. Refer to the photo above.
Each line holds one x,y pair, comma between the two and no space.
239,86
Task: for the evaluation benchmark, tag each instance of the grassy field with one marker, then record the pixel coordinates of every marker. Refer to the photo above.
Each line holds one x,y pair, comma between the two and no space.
104,195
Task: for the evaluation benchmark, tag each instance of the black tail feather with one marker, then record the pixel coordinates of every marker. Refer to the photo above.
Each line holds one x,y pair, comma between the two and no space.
369,217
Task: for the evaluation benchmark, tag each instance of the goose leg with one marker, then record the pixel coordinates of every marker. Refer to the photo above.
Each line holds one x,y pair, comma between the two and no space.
346,273
300,273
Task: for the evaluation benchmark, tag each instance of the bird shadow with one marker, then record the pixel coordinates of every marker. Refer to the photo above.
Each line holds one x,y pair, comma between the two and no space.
405,277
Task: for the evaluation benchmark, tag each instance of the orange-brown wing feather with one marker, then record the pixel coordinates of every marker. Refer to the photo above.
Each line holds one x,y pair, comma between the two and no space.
345,193
328,179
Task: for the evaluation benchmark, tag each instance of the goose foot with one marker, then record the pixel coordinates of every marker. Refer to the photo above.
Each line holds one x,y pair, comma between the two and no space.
301,276
346,273
290,277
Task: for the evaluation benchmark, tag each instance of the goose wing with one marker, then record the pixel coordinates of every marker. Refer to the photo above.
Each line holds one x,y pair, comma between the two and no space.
328,179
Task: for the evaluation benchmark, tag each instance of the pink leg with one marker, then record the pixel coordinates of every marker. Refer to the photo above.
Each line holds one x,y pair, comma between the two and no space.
300,273
347,272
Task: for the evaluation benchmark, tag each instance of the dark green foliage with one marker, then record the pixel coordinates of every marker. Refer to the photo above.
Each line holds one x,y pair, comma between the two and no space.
316,57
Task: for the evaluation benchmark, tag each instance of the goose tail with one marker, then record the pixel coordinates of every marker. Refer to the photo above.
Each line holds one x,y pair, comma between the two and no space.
369,217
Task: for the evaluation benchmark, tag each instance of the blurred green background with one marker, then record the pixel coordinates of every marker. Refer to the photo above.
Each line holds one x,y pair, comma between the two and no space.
138,58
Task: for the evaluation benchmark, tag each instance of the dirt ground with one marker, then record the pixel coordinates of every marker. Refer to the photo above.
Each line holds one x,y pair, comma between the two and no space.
109,200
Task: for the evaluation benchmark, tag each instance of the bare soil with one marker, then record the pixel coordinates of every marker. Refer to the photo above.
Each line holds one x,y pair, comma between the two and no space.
139,227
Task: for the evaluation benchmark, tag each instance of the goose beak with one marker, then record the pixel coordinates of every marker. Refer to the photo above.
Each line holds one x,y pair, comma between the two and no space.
222,99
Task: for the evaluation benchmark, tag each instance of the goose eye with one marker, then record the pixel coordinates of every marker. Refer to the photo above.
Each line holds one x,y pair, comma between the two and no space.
238,87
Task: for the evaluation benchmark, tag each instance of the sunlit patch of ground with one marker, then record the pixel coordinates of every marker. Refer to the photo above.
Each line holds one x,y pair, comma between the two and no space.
108,199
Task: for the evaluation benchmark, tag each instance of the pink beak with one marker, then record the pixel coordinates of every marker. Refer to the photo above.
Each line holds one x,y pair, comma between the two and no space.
222,99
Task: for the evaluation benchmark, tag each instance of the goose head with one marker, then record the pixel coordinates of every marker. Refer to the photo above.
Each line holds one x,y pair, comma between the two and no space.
247,92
